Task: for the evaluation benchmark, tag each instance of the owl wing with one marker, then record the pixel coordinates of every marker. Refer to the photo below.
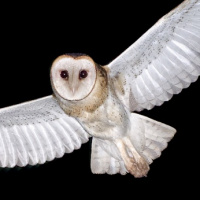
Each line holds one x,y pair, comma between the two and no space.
162,62
36,132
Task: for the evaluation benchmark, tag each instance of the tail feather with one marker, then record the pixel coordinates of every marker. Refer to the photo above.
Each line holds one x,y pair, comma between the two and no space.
150,154
102,162
147,136
157,135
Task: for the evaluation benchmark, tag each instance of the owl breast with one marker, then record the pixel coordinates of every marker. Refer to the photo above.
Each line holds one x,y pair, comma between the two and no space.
108,121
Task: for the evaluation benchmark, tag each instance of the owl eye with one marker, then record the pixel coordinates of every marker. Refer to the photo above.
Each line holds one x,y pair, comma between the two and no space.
83,74
64,74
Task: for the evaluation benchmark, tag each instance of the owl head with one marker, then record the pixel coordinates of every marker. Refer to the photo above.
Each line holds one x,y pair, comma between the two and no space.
73,76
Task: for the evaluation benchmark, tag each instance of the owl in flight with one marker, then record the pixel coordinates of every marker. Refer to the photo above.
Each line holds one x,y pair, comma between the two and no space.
90,100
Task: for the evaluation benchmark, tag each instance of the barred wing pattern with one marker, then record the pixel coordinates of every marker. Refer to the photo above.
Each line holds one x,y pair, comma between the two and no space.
36,132
162,62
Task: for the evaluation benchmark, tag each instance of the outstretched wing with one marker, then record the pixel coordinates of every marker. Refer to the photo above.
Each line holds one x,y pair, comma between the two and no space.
162,62
36,132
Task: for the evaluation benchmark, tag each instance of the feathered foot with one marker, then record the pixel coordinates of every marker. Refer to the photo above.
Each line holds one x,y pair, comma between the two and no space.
134,163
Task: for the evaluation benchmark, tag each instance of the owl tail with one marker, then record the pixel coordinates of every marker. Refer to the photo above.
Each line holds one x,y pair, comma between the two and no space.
154,139
147,136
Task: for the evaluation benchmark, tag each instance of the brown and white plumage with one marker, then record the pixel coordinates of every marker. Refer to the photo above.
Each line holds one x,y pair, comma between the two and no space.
94,100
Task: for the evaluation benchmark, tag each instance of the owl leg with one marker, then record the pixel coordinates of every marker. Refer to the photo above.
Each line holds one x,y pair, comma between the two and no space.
135,164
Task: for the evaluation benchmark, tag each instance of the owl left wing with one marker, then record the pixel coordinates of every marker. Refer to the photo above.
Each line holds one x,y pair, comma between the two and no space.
37,131
162,62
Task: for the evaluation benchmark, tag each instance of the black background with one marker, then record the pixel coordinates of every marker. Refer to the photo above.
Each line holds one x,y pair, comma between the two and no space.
32,36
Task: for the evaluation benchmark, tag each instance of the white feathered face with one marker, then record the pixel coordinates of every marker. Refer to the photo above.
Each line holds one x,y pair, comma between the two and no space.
73,77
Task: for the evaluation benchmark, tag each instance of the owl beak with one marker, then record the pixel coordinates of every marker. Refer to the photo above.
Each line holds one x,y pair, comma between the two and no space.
73,83
73,90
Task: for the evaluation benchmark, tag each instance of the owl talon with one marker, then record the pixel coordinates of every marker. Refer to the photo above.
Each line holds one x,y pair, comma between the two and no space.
141,169
137,168
135,164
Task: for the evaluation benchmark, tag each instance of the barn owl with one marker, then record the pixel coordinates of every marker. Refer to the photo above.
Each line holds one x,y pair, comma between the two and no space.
90,100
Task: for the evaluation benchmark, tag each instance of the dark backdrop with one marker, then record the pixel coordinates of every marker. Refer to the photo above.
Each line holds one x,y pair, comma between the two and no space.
32,36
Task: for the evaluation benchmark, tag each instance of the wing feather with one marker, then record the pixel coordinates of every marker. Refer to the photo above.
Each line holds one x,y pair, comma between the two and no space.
57,142
5,160
165,60
37,145
36,132
19,143
30,146
74,137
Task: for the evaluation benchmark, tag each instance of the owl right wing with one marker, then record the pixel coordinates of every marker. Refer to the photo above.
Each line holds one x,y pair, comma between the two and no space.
37,131
165,60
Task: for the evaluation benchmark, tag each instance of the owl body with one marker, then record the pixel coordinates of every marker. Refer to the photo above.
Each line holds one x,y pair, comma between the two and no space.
105,116
102,113
108,120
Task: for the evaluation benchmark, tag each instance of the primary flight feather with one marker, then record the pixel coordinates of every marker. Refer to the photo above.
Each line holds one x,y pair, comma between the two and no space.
97,101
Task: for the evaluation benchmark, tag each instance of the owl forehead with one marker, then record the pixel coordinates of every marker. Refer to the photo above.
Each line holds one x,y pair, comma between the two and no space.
64,62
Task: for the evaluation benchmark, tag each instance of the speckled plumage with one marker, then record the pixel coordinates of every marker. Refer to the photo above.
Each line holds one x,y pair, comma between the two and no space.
97,101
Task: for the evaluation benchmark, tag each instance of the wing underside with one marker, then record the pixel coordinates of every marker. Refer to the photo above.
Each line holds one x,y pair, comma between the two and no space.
162,62
36,132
